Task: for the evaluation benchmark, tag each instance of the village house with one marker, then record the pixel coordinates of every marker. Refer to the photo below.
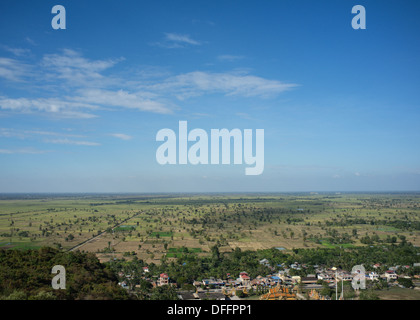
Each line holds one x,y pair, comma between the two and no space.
373,276
345,276
244,278
123,285
259,281
265,262
213,282
275,279
282,273
309,279
255,282
295,266
271,280
296,279
325,277
163,279
390,275
286,280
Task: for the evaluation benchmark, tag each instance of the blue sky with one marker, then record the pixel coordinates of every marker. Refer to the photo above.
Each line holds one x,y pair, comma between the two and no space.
80,108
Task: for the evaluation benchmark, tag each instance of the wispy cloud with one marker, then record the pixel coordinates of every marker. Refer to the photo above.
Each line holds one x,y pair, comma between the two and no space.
17,51
30,41
176,40
12,69
244,115
121,136
181,38
76,70
122,98
26,134
201,115
55,106
198,83
74,86
229,57
73,142
22,151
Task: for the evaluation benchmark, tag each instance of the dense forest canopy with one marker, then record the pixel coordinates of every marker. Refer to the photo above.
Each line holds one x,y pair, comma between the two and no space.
26,274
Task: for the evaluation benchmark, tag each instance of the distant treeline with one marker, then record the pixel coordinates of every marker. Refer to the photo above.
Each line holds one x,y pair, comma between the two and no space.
399,224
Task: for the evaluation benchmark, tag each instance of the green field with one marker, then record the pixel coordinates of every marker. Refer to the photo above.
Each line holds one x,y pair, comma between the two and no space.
178,252
161,234
328,244
150,225
397,293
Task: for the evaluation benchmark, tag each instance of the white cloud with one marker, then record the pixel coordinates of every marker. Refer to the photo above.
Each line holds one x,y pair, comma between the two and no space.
17,51
73,142
89,85
55,106
244,115
25,134
12,69
181,38
122,98
76,70
198,83
201,115
30,41
176,40
22,151
229,57
121,136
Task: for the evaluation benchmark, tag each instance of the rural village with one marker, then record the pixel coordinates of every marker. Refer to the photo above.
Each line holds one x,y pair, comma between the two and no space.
281,285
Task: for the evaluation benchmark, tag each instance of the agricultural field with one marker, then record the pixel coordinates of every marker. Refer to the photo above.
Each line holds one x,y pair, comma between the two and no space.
155,226
396,293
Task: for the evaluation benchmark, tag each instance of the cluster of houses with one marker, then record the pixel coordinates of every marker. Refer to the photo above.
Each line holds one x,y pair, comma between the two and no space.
283,277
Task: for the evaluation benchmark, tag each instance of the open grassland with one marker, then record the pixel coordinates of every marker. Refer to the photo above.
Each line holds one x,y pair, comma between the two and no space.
396,293
152,226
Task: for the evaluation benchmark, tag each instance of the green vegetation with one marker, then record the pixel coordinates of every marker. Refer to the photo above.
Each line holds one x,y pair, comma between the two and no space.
161,234
124,228
179,252
26,274
189,266
148,224
210,235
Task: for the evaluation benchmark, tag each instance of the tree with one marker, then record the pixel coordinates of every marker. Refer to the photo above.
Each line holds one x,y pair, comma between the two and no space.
326,290
408,283
215,252
368,295
166,292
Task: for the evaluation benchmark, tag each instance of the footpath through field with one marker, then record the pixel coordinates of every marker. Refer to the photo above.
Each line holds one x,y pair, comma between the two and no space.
100,234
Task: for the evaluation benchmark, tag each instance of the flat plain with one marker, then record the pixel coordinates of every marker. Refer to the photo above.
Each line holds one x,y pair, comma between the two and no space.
153,226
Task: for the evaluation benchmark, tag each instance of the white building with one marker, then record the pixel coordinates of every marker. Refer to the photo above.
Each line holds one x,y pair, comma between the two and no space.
345,276
325,277
390,275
